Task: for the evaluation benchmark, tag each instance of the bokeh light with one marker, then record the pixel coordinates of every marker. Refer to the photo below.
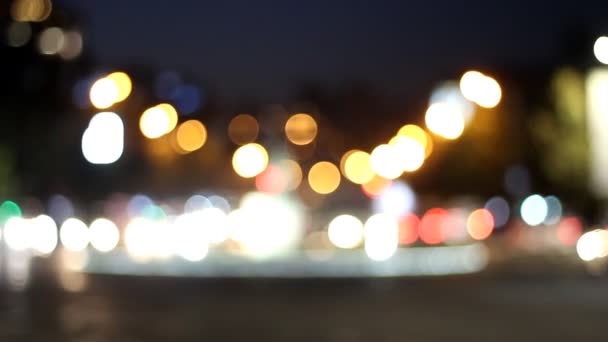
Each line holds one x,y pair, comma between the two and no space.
301,129
481,89
123,85
386,161
103,140
381,237
17,234
554,210
267,225
104,93
273,180
60,208
430,227
18,34
410,151
445,120
51,41
250,160
345,231
600,49
569,231
324,177
480,224
408,229
72,45
190,241
293,171
104,235
500,210
154,123
417,133
214,223
9,209
592,245
43,234
375,186
243,129
534,210
171,113
191,135
31,10
74,235
449,92
187,98
357,167
397,200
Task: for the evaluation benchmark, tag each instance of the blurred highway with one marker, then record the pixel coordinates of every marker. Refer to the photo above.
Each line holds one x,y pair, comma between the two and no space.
476,307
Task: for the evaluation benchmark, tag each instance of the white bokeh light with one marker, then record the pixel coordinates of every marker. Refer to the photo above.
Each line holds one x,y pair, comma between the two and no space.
103,140
16,234
74,235
345,231
397,200
381,237
43,234
600,49
534,210
104,235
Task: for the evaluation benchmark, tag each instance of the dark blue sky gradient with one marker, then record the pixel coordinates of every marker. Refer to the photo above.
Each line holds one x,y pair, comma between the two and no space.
262,48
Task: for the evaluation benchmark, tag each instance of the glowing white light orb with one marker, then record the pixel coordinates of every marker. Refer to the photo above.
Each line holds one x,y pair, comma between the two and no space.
104,235
104,93
43,234
592,245
16,233
190,239
273,225
397,200
74,235
386,162
381,237
345,231
103,140
534,210
214,223
600,49
445,120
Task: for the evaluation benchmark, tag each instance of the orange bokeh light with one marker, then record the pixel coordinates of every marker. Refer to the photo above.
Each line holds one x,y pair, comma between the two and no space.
480,224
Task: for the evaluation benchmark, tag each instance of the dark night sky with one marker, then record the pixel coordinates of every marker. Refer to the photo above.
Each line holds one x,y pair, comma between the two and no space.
262,48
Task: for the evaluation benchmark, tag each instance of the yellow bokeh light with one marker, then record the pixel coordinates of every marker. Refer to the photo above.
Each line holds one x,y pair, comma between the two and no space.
171,113
250,160
481,89
123,83
154,123
301,129
445,120
103,93
385,161
410,152
357,167
343,160
191,135
293,171
31,10
324,177
416,132
243,129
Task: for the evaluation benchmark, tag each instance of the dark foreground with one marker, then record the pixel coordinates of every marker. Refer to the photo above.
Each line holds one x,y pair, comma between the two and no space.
471,308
